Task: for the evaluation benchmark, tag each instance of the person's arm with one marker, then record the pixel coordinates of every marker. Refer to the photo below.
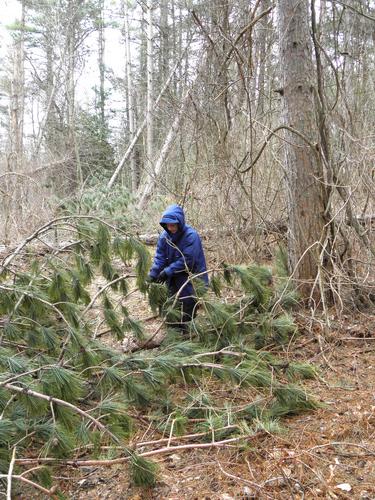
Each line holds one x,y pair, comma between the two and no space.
186,256
160,258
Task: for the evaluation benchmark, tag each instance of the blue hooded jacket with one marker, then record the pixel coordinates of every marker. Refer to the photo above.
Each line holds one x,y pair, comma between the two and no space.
179,254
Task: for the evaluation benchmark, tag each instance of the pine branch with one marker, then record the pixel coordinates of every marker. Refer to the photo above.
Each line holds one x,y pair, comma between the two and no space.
24,374
104,288
51,399
60,363
45,228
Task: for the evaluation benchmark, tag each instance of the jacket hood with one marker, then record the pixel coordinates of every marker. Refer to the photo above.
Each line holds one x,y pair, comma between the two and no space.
174,214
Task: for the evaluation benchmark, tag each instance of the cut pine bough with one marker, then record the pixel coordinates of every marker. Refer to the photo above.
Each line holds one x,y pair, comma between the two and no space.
67,398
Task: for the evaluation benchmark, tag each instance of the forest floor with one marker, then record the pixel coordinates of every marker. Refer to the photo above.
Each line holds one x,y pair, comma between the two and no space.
328,453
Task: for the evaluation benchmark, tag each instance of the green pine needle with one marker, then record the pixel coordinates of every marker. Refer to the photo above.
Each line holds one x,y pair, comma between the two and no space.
281,263
143,472
103,238
113,322
60,443
216,285
33,407
43,476
66,417
291,399
78,291
136,393
179,425
62,384
12,331
283,327
108,270
57,291
17,364
131,325
112,378
7,431
269,425
297,371
222,321
48,339
123,286
84,269
56,344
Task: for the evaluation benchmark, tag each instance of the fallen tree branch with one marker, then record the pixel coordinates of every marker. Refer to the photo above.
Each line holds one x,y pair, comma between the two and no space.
160,451
50,493
51,399
46,227
10,472
104,288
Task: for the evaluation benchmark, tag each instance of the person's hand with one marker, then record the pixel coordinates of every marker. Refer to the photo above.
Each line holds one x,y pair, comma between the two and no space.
151,279
162,278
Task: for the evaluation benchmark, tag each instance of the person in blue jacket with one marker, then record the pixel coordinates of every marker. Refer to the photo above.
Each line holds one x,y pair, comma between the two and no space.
179,255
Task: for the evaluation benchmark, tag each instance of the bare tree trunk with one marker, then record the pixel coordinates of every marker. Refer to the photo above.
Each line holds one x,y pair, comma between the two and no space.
70,69
140,130
71,53
263,29
101,66
150,88
48,121
17,97
164,41
152,178
130,98
304,180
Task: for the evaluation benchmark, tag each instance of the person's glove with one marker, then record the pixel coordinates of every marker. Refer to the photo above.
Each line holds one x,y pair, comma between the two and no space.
151,279
162,278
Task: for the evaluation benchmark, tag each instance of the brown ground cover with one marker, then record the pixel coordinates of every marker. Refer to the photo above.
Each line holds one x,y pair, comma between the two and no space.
329,453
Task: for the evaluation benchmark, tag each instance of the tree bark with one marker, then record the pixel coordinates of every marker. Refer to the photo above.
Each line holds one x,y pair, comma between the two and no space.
130,98
303,173
150,89
101,67
76,173
17,97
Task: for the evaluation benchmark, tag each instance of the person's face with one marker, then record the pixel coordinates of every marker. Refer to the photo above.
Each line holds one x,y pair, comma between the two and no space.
172,228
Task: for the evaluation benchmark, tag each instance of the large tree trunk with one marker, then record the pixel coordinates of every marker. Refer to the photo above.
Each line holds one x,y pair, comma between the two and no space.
17,97
130,98
303,173
76,171
150,88
101,67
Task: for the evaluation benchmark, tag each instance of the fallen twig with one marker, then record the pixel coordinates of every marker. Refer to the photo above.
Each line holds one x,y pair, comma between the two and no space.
10,472
120,460
50,493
